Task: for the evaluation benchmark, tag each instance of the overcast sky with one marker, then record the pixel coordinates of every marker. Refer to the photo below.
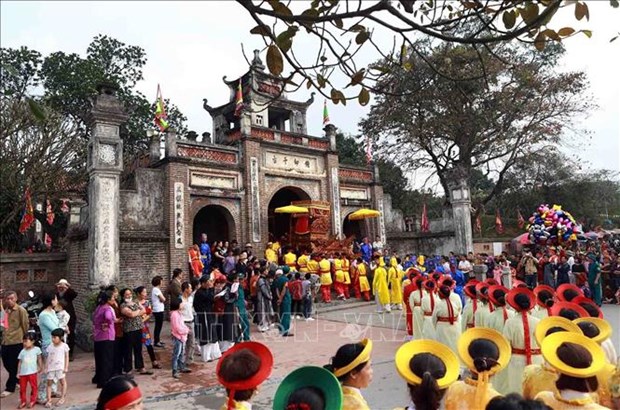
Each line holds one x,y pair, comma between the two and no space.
192,45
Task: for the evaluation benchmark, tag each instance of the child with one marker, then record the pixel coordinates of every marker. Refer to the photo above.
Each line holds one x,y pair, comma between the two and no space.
63,317
57,365
179,337
28,366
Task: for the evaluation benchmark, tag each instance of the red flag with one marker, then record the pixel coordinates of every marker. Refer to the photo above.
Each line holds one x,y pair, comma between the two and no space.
28,216
239,100
479,224
499,226
520,220
424,224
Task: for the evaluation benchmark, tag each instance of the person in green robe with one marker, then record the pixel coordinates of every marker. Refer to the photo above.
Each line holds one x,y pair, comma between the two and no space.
595,280
244,336
284,302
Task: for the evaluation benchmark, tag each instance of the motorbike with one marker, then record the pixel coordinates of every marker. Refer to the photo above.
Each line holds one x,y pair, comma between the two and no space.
34,307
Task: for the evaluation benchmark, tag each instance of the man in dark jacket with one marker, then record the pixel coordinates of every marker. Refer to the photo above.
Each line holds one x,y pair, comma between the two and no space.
66,294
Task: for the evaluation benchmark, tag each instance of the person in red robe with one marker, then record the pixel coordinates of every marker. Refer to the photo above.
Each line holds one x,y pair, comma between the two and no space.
407,290
193,254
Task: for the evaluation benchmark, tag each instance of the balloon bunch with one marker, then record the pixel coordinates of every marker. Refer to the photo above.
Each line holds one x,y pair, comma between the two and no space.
552,225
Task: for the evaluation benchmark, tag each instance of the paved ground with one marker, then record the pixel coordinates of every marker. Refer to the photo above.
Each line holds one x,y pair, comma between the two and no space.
314,343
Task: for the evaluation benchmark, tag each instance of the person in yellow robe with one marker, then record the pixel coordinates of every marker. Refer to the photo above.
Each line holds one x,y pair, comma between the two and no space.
241,370
380,287
415,301
485,308
290,260
578,360
313,264
362,279
484,352
447,314
468,319
599,331
270,254
429,368
421,266
542,377
339,279
302,262
519,330
395,278
429,300
346,268
352,366
326,279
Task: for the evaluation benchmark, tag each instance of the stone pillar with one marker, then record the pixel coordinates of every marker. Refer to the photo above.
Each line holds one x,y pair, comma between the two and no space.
105,164
461,209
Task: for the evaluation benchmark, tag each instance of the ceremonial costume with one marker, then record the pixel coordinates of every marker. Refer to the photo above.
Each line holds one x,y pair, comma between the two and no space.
395,278
429,301
542,377
362,280
571,399
407,353
270,254
326,279
446,320
380,288
485,308
519,331
471,306
352,398
366,250
339,278
415,301
407,291
476,392
290,260
193,254
302,263
205,257
543,294
496,321
309,376
266,364
346,266
603,338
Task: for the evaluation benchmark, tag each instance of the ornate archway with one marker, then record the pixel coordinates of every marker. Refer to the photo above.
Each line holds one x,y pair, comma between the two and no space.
357,228
279,224
216,221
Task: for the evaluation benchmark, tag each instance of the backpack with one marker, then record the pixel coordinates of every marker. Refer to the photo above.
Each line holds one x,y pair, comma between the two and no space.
296,289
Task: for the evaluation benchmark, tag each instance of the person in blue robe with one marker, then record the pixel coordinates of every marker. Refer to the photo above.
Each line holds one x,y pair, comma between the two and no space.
366,249
205,254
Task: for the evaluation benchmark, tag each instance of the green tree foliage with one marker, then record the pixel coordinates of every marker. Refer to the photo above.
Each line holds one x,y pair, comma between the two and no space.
327,43
449,128
44,111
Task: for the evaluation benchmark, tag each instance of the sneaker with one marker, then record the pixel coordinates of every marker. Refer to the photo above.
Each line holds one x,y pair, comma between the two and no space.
160,345
175,375
309,319
297,317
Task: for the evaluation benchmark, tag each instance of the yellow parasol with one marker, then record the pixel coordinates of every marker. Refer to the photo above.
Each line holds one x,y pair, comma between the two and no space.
364,213
291,209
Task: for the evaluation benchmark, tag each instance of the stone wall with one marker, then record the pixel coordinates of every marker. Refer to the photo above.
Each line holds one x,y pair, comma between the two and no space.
39,272
431,243
143,208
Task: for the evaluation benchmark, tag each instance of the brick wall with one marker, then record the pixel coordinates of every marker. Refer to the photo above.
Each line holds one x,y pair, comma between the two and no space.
21,272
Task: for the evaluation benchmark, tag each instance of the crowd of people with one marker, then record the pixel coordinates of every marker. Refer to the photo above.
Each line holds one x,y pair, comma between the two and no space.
496,313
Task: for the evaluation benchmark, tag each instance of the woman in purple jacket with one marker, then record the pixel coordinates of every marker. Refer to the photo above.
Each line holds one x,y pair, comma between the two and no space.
103,336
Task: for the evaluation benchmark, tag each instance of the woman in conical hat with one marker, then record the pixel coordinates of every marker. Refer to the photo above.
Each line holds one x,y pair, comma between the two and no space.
429,368
542,377
447,314
352,367
471,305
545,297
309,388
519,331
429,300
484,352
241,370
415,301
578,360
